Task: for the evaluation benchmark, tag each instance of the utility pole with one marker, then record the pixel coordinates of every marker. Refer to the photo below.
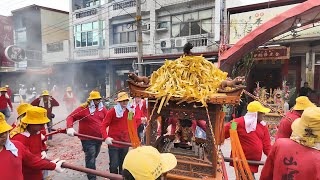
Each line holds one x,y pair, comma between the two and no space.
139,37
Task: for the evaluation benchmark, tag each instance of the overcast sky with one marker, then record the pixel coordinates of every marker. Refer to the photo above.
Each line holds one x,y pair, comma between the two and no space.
6,6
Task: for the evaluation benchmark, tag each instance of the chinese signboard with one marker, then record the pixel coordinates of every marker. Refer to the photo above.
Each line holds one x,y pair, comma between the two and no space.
272,53
6,39
242,24
15,53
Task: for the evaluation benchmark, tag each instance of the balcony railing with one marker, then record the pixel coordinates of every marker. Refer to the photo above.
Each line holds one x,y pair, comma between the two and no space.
199,42
34,55
125,50
90,52
125,4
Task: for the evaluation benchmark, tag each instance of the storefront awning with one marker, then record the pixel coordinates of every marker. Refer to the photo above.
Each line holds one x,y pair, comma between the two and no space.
305,13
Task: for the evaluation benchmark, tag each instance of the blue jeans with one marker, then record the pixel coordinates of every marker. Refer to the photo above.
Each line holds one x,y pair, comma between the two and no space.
49,124
91,149
116,157
6,113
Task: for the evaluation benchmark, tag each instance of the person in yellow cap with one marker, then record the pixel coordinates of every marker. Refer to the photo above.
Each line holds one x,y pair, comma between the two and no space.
28,133
70,99
90,116
253,134
48,102
21,110
146,163
9,91
5,102
117,121
299,156
284,130
15,158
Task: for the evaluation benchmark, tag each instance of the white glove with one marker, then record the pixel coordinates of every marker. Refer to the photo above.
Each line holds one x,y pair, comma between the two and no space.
43,137
108,140
70,132
43,155
58,163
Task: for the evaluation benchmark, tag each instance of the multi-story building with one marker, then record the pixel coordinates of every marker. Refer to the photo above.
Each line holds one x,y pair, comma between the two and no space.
6,39
105,33
44,35
302,63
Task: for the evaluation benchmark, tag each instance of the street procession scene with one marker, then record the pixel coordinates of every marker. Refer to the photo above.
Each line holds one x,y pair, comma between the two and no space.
159,90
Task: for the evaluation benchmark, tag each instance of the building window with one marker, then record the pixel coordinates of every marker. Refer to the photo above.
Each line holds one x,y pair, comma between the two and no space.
87,34
55,47
124,33
192,23
21,37
80,4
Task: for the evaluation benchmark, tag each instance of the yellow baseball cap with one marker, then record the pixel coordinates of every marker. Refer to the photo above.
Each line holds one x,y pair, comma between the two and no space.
35,115
22,108
256,106
123,96
45,93
302,103
146,163
94,95
4,126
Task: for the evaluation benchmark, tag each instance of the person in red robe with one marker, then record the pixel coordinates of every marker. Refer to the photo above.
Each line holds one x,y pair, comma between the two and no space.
15,157
9,91
253,134
48,102
4,102
28,133
70,99
90,116
117,121
284,130
297,157
140,115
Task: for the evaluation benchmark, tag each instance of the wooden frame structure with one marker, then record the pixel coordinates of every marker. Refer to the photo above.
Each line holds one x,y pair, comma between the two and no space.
203,160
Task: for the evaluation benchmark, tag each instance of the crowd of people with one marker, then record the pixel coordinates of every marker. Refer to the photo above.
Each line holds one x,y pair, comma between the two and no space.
296,151
23,145
26,138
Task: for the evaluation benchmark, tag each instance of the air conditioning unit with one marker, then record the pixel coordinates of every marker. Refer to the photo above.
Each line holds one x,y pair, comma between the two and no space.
146,27
165,43
180,42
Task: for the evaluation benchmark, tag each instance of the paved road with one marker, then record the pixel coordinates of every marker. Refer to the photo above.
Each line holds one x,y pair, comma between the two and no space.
70,149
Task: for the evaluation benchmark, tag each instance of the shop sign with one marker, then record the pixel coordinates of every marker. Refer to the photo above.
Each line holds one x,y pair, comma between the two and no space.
6,39
243,23
15,53
272,53
20,66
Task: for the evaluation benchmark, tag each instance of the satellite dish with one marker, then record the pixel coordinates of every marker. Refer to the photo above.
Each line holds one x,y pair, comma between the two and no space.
15,53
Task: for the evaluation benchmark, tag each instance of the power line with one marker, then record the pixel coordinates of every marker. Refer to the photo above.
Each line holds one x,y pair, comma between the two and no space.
98,14
67,20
